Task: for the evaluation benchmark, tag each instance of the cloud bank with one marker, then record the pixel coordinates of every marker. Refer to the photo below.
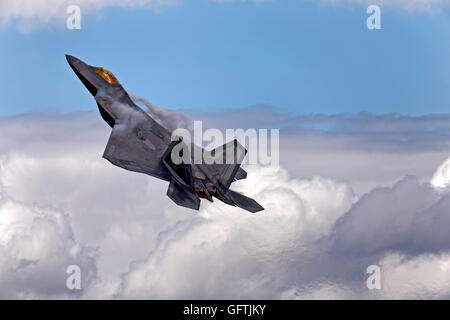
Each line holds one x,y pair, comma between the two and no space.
409,5
62,204
30,13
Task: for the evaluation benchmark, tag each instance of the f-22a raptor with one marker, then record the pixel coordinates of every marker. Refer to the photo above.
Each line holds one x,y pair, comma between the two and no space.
139,143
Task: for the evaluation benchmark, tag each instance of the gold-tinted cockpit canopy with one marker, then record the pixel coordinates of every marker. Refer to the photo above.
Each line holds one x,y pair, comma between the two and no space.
105,74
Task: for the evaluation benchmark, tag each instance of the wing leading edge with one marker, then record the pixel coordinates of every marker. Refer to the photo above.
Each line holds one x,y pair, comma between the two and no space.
135,144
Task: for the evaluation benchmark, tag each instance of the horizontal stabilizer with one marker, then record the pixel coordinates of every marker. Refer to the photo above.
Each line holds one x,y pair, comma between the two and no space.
183,196
244,202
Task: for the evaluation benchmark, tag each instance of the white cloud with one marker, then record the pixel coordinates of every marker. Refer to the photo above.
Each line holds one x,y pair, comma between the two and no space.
36,247
57,163
226,253
306,245
30,12
321,291
409,5
426,276
441,177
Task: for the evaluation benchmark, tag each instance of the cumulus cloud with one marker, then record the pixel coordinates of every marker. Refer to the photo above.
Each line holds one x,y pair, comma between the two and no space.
424,276
414,209
62,204
441,178
30,12
318,247
226,253
57,163
410,5
36,247
421,277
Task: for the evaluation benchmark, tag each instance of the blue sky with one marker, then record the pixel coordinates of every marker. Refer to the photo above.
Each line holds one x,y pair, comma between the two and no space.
296,55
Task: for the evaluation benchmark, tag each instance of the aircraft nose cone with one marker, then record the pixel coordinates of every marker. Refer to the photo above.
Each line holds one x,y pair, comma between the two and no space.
85,74
71,59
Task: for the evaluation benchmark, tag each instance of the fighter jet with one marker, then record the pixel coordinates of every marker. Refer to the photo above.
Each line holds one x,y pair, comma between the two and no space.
139,143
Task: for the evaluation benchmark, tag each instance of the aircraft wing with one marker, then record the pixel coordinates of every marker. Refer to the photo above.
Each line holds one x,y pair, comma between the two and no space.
137,143
183,196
